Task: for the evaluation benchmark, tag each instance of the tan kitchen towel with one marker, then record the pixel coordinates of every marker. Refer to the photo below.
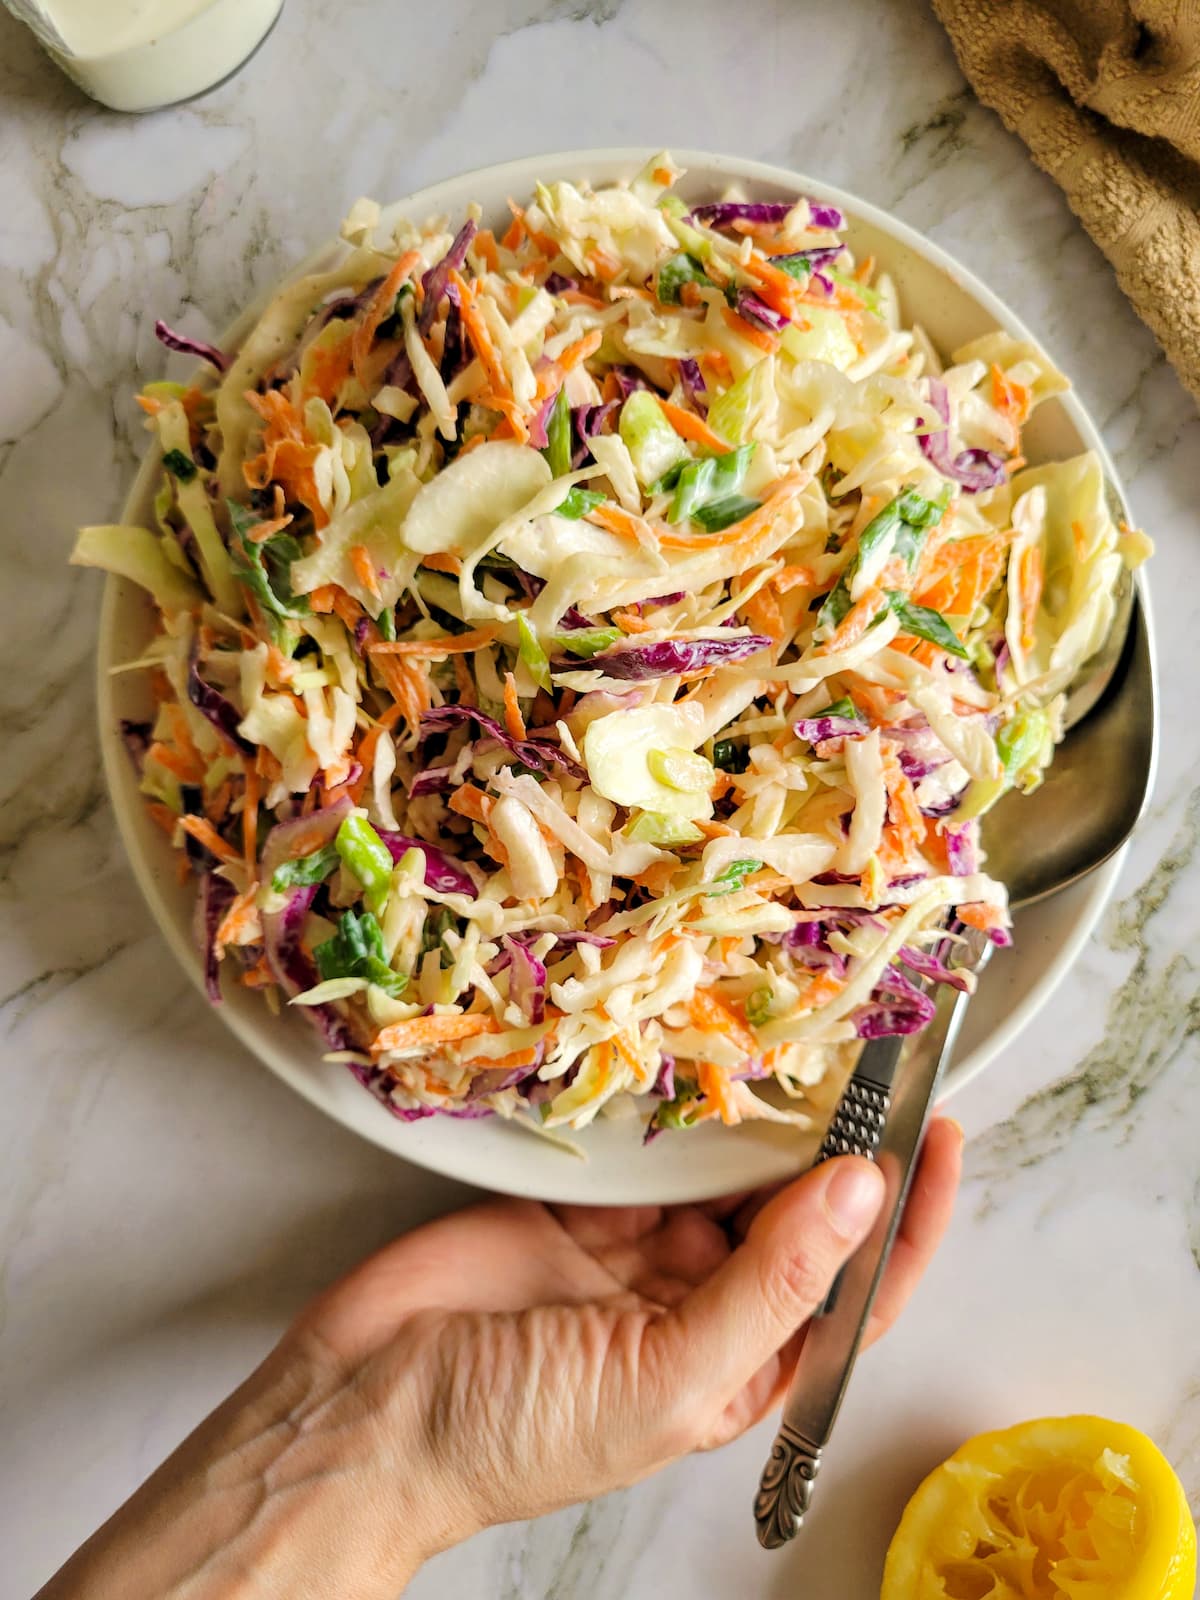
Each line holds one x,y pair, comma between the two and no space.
1106,94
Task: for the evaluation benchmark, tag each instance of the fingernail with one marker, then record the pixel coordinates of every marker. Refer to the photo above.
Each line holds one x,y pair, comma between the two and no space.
853,1196
954,1123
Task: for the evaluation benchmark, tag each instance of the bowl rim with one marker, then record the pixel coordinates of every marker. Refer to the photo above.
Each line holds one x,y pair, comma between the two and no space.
518,175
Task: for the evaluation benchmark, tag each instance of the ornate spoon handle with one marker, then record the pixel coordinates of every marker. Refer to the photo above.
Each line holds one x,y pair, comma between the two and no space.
884,1122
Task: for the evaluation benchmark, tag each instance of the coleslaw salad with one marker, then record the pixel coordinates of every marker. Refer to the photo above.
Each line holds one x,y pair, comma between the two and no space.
586,653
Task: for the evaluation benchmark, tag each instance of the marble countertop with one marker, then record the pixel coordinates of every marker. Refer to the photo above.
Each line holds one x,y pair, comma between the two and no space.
165,1204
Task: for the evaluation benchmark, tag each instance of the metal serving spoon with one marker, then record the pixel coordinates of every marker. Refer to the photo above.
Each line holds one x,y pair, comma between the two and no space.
1095,792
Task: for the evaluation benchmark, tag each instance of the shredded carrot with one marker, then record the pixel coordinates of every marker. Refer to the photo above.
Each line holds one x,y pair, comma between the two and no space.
547,245
746,531
959,573
329,366
472,803
502,397
262,531
625,524
630,622
442,561
551,378
287,454
903,810
449,644
380,308
187,768
715,1086
1030,581
432,1030
689,426
603,263
865,270
322,598
793,578
204,833
515,1058
981,916
241,923
766,342
576,297
162,816
364,570
484,246
250,795
513,720
516,229
463,680
710,827
259,976
856,621
717,362
711,1014
762,611
1010,398
824,988
779,289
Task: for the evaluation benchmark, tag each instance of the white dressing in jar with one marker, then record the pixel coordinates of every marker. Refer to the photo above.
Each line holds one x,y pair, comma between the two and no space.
134,55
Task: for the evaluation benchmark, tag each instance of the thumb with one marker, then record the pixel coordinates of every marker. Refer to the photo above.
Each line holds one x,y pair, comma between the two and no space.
734,1323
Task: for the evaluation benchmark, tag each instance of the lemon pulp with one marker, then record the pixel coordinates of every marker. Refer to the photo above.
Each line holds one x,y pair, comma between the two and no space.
1067,1508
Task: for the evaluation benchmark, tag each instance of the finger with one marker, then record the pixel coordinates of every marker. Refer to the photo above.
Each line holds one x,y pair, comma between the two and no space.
735,1322
689,1246
927,1214
597,1227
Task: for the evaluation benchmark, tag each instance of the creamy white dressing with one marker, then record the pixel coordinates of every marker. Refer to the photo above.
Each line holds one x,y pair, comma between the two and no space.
134,55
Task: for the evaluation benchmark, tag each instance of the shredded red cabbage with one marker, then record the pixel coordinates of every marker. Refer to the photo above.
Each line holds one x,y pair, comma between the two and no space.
759,313
896,1006
538,437
136,737
293,968
670,656
808,943
974,469
961,850
436,282
213,900
927,965
814,260
222,713
819,728
188,346
348,305
557,283
538,754
629,378
694,385
720,213
589,423
443,874
431,780
527,980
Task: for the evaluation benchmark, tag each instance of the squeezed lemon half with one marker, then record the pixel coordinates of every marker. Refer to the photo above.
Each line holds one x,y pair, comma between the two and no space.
1064,1508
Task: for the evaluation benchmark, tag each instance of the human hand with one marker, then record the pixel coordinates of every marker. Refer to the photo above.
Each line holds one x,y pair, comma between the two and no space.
504,1361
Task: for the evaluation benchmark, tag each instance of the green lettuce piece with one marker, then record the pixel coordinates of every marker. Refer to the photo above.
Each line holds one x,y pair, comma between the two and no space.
926,624
652,442
532,654
578,503
357,951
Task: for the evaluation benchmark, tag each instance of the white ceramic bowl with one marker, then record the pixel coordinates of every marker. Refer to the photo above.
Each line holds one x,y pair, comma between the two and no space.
953,307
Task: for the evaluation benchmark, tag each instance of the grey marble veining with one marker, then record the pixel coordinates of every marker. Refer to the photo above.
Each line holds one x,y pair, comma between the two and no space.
151,1242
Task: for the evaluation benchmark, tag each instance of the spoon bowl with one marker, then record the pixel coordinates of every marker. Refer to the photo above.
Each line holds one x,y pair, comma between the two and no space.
1099,783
